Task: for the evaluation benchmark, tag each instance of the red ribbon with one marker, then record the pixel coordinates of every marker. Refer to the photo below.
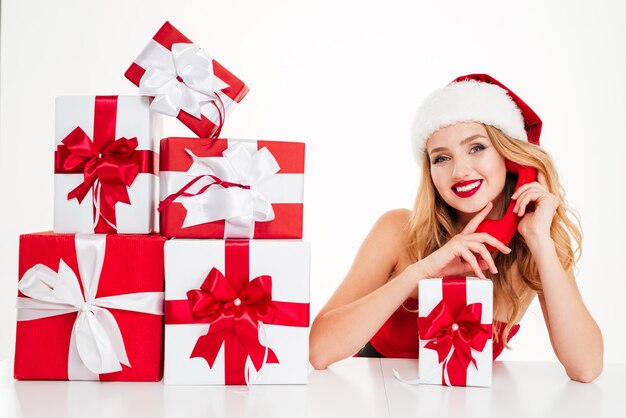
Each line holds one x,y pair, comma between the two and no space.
221,113
183,191
454,325
113,163
231,312
234,305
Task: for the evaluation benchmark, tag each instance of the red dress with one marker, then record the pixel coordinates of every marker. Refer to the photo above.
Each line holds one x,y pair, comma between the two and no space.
399,338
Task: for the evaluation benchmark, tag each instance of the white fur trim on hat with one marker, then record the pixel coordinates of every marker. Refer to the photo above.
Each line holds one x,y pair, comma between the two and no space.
466,101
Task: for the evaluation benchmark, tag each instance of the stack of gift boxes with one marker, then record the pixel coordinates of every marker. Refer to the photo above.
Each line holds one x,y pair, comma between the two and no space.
221,294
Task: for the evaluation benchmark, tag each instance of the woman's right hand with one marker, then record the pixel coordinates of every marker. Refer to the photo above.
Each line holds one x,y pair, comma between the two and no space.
457,256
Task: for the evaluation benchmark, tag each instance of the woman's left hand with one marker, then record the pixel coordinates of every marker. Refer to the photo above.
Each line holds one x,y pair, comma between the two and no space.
535,223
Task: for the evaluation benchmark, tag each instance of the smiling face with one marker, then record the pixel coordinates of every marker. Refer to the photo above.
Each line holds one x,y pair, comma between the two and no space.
466,169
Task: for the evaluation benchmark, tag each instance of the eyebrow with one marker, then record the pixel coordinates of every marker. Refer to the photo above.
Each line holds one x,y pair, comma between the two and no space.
465,141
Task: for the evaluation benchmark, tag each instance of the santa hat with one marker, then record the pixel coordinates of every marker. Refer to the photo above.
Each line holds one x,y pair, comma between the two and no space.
475,98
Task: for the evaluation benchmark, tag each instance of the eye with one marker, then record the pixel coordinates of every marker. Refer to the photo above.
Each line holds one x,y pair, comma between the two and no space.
439,159
477,147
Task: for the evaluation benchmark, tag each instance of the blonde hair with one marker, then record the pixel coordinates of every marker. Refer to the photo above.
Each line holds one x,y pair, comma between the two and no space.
432,224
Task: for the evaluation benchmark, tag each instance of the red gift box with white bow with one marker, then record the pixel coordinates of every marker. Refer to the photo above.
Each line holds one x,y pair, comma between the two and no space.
186,82
231,188
455,329
90,307
236,311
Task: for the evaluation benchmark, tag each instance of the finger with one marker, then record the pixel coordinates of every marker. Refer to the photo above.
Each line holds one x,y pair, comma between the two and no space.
520,190
476,220
491,240
468,269
484,253
471,260
483,264
529,197
523,188
524,198
518,203
541,178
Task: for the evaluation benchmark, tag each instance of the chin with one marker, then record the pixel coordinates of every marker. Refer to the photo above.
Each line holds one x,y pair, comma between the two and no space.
468,207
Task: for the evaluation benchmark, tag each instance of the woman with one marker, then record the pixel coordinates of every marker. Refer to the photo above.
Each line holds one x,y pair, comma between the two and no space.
462,135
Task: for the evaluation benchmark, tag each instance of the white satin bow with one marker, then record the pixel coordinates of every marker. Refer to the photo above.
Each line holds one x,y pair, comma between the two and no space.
239,207
96,343
200,85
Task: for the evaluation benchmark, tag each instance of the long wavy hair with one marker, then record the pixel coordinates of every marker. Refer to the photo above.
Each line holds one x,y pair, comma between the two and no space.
432,224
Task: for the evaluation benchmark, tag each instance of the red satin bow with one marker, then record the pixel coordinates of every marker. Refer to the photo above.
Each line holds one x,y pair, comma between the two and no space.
461,333
232,313
113,166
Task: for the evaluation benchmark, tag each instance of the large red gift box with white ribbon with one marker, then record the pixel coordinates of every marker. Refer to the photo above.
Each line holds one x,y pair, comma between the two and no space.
186,82
231,188
455,329
90,307
236,312
106,164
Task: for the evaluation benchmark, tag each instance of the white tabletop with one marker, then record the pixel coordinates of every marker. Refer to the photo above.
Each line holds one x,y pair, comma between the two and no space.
520,389
353,387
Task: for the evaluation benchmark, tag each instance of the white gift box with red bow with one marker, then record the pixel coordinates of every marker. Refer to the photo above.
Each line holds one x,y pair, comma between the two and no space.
455,328
236,311
106,164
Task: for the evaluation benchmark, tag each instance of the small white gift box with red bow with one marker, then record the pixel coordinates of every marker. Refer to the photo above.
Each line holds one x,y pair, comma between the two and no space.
455,329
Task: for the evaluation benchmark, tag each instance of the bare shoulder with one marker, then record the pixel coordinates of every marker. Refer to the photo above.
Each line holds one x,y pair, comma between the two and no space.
394,220
389,238
391,228
385,245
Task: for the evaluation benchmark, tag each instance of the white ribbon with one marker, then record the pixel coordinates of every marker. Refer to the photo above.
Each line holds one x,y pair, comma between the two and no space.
428,375
95,191
96,343
239,207
200,85
251,377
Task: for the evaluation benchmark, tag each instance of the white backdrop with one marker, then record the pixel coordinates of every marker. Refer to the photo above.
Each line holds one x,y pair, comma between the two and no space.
346,78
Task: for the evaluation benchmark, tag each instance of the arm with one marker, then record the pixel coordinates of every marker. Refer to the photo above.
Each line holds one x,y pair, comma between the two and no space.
575,336
365,299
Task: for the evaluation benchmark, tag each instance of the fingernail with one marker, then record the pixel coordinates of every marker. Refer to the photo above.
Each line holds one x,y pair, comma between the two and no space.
509,250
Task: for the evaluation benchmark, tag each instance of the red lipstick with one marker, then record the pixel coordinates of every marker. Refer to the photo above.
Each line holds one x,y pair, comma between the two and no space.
467,193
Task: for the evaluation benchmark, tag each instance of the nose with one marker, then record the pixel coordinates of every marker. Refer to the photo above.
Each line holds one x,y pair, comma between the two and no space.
461,169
